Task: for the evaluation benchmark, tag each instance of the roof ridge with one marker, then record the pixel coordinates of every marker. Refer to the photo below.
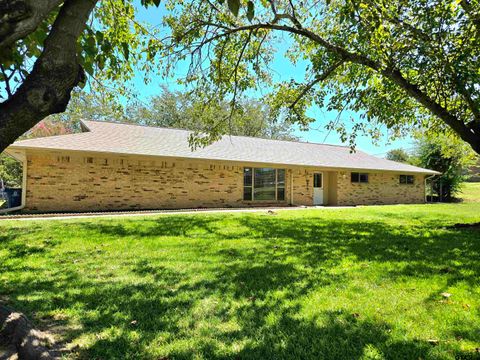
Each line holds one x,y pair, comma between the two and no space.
190,131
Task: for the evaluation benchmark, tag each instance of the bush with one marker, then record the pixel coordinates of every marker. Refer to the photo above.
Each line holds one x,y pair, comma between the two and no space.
10,171
448,155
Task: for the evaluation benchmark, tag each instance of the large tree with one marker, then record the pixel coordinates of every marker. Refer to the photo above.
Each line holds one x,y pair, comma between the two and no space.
402,64
175,109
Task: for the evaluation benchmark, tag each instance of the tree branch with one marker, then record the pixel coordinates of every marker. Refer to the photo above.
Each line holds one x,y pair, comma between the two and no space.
294,18
235,82
55,73
413,90
21,17
7,81
315,81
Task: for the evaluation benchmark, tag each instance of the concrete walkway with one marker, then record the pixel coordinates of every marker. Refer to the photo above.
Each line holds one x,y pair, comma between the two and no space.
66,216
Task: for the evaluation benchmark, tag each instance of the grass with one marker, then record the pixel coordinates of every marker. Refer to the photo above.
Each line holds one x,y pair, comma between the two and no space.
361,283
470,192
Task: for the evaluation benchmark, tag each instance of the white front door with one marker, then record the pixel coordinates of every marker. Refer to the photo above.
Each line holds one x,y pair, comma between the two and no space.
318,189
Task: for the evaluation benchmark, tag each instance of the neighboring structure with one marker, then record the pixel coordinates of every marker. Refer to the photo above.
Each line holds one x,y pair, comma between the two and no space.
112,166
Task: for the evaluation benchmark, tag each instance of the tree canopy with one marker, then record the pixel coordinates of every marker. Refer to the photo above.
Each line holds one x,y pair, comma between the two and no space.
448,155
47,48
398,155
403,64
400,64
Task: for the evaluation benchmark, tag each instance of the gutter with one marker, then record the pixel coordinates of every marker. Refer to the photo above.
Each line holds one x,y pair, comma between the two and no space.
21,157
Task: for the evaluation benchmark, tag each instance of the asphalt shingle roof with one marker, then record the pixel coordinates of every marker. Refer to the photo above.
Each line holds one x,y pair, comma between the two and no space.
126,139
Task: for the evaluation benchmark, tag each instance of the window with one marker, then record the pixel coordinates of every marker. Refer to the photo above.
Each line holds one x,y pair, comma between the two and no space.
247,184
359,178
281,184
406,179
317,180
263,184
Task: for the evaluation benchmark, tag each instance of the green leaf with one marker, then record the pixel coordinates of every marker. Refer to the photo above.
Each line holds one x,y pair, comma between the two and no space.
156,2
101,62
234,6
250,11
99,36
126,51
88,66
106,46
90,46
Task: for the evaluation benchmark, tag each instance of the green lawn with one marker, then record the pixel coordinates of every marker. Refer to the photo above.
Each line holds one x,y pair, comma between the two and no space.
361,283
470,192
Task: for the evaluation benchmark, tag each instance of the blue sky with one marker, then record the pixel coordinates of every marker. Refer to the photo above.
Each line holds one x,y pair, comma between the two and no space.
282,70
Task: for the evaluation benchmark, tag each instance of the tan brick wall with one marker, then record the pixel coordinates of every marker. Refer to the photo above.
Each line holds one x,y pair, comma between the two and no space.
83,182
79,182
382,188
302,186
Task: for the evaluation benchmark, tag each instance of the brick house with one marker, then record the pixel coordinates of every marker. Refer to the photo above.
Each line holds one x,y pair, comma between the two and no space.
112,166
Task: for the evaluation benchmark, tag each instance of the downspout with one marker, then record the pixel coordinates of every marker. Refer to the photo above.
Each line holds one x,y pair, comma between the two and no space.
291,187
425,187
23,160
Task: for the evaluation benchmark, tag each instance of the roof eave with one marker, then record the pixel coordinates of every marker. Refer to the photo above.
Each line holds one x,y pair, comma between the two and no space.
333,168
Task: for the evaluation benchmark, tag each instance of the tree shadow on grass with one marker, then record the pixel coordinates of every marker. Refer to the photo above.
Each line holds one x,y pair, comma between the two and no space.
338,336
163,226
22,249
143,307
316,240
453,253
11,233
125,317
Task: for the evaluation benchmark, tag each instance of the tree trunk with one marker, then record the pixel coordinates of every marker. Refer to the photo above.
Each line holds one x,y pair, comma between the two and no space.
56,72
